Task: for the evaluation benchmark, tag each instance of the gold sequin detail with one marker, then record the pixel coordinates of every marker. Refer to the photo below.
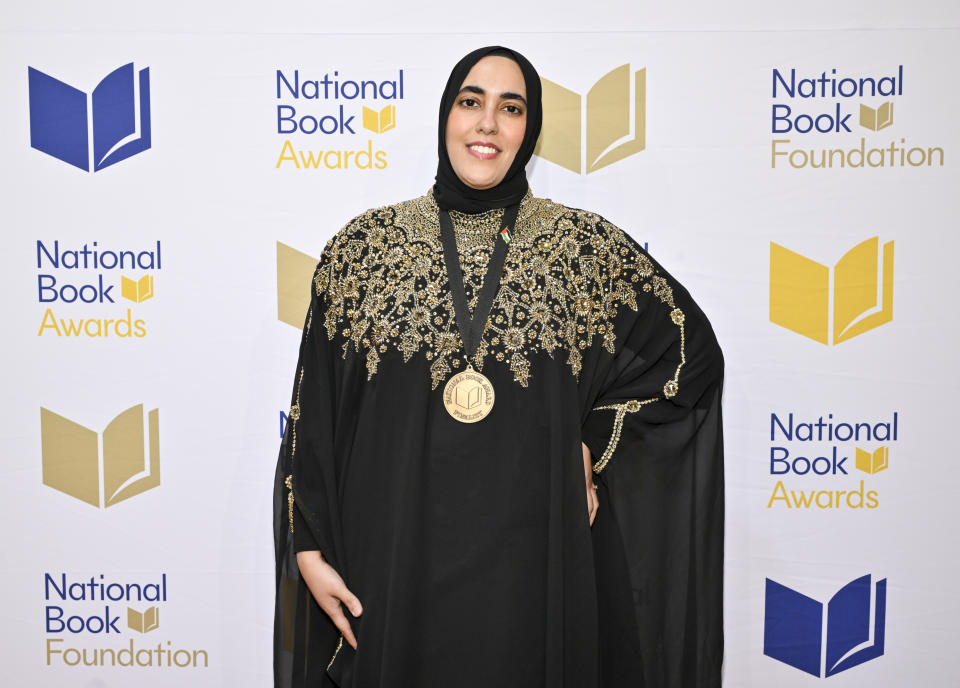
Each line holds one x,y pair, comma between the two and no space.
289,483
622,410
335,652
292,418
566,276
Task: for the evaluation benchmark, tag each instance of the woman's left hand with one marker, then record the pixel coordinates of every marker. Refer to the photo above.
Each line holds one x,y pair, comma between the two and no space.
593,502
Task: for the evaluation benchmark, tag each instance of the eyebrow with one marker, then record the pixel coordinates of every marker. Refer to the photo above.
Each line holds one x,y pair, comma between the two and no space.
506,95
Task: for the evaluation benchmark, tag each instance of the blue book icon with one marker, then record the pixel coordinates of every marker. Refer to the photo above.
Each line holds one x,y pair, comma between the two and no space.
59,120
793,627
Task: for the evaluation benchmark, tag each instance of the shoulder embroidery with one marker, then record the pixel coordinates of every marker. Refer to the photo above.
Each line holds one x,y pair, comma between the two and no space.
567,274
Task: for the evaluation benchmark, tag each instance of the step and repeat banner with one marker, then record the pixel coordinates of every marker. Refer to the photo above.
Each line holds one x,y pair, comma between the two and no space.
166,197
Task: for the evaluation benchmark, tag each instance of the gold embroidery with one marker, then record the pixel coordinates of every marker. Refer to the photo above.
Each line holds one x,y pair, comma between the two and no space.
293,417
335,652
567,274
622,410
289,483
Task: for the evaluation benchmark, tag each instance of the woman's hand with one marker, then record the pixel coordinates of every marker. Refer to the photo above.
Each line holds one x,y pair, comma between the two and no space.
593,502
329,591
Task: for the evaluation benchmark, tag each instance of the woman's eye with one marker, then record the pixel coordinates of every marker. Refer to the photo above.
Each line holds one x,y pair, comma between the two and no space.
468,102
513,109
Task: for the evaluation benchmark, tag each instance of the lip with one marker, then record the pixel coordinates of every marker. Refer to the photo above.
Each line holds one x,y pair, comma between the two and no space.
481,155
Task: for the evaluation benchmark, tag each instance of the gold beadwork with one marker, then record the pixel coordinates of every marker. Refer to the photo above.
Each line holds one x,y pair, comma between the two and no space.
622,410
567,275
335,652
289,483
293,417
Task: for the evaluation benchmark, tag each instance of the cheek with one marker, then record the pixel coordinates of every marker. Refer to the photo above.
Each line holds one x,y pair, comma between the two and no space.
516,136
455,125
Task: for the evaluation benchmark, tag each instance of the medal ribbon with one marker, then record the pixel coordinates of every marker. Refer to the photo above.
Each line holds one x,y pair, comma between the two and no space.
472,328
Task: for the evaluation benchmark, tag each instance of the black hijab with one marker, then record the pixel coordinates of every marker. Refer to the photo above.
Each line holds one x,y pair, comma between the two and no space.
449,191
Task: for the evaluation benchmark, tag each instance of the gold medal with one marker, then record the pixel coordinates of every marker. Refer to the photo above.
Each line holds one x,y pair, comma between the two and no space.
468,396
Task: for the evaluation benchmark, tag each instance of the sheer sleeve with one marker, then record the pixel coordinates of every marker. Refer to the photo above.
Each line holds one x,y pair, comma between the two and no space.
306,512
653,425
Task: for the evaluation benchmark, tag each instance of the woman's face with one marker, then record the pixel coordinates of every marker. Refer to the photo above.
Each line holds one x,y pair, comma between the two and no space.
486,124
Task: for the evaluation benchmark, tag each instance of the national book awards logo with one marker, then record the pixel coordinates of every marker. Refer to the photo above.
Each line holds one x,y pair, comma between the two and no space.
101,469
823,639
98,621
831,304
324,120
833,119
92,290
829,461
91,131
586,133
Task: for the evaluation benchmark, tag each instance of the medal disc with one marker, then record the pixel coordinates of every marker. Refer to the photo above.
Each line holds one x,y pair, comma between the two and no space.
468,396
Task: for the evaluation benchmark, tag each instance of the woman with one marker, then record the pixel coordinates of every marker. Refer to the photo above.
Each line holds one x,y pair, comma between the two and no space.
471,359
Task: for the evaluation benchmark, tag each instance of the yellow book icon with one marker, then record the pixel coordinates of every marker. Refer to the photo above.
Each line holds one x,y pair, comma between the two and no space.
71,456
861,299
878,119
875,462
145,622
379,122
137,290
615,122
294,272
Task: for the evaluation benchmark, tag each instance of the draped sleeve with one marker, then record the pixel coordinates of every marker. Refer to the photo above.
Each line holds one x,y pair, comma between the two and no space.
306,507
652,422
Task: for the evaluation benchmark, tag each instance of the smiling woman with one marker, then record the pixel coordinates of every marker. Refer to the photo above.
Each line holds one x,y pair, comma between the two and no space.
472,360
486,124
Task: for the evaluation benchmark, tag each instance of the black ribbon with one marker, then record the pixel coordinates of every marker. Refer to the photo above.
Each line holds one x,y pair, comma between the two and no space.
472,328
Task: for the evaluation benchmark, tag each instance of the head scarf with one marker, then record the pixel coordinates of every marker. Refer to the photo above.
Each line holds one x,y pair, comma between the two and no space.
449,191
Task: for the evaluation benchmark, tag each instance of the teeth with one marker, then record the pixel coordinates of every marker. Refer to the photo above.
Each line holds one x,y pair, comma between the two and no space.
487,150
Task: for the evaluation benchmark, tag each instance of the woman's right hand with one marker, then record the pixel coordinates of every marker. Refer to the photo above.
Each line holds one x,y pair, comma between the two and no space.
329,591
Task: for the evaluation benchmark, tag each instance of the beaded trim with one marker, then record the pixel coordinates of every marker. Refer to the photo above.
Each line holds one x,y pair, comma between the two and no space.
622,410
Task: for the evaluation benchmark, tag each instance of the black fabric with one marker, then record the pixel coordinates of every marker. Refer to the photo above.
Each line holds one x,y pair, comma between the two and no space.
469,544
448,190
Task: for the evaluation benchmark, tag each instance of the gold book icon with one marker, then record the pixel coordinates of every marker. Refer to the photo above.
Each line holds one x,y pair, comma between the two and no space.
379,122
615,122
71,456
862,294
143,622
137,290
876,119
467,395
294,271
873,462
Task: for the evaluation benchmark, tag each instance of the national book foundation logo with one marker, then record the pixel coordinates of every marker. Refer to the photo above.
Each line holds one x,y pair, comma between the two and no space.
825,639
91,131
82,623
311,110
830,118
106,468
832,305
585,134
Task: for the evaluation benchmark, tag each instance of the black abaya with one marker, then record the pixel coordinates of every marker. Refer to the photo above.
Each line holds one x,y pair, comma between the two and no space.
469,544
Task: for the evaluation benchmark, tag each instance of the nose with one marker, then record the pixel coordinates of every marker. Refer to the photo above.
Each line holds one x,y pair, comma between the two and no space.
487,121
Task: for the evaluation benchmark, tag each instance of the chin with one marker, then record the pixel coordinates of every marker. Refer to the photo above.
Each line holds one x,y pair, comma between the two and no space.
481,182
480,185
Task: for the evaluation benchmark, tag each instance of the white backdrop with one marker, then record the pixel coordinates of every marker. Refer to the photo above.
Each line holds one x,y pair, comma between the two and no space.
217,363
